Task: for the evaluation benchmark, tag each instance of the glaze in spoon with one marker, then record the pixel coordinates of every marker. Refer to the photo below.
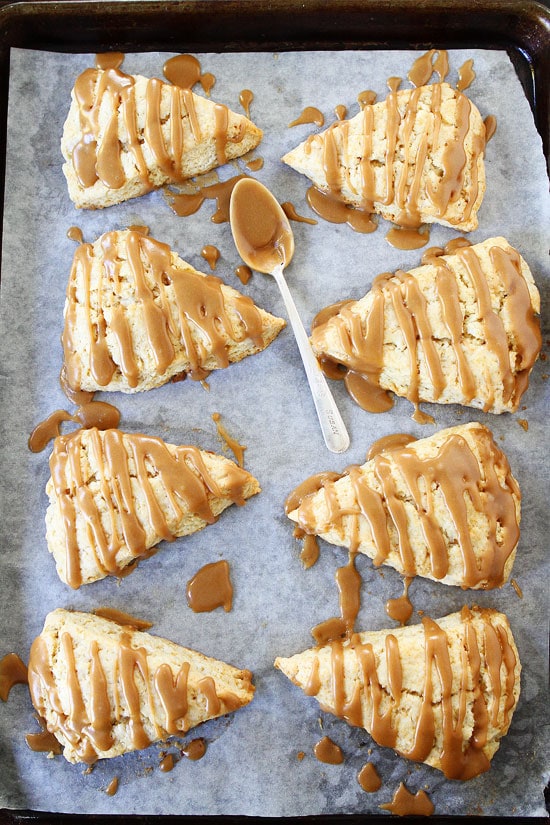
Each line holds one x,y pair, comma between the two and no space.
265,242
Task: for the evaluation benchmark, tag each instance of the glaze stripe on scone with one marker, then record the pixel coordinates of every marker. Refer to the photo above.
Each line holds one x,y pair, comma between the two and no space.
114,496
127,134
441,692
137,315
445,507
104,689
461,329
416,157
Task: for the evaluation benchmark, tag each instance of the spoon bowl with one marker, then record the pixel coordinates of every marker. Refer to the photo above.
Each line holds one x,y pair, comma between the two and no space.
265,242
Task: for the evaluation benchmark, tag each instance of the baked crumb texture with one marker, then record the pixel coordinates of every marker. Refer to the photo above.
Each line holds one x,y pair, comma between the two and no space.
441,692
445,507
461,329
137,316
104,689
127,134
114,496
416,157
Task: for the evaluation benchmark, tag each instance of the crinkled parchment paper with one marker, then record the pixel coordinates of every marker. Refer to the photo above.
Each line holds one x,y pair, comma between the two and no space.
251,765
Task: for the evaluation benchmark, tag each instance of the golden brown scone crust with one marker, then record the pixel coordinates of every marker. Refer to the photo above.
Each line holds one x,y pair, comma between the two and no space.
211,134
478,369
158,316
104,689
114,496
463,532
378,680
448,190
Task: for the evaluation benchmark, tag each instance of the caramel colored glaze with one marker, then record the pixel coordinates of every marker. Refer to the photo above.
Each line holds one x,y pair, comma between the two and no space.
310,485
517,588
260,228
407,238
309,115
183,70
369,779
194,750
74,233
364,347
466,76
404,803
43,742
255,164
237,449
400,609
366,394
79,397
310,551
210,588
109,60
490,124
450,247
245,99
243,273
90,725
328,752
333,210
167,763
138,227
290,211
340,111
185,204
47,430
112,787
456,762
183,476
524,424
13,671
424,66
327,313
97,155
123,619
328,630
456,471
366,98
389,442
393,83
199,299
211,255
348,582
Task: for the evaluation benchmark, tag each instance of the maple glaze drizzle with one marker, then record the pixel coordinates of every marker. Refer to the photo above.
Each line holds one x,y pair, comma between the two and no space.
109,60
194,750
290,211
157,285
457,473
184,70
237,449
341,111
401,609
405,803
112,787
466,75
121,618
362,344
74,233
243,273
369,779
211,255
461,756
210,588
43,742
13,671
167,763
89,724
184,204
309,115
328,752
389,442
245,99
98,153
366,98
490,124
98,414
118,456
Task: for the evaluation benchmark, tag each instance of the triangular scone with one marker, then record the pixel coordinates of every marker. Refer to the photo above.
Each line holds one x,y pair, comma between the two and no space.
127,134
441,692
416,157
462,329
137,315
445,507
114,496
104,689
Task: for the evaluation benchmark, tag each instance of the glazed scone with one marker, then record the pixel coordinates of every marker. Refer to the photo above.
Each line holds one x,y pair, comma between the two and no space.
461,329
114,496
446,507
441,692
416,157
104,689
137,315
127,134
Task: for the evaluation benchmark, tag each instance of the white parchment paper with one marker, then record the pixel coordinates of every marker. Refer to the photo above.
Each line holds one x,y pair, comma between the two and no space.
251,766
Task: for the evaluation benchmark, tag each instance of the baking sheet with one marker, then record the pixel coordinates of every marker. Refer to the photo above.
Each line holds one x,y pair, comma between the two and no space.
251,766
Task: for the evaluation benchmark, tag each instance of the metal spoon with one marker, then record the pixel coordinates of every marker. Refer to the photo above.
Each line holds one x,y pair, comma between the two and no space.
265,242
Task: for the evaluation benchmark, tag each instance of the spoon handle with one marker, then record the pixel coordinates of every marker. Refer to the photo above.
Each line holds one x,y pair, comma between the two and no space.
332,426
